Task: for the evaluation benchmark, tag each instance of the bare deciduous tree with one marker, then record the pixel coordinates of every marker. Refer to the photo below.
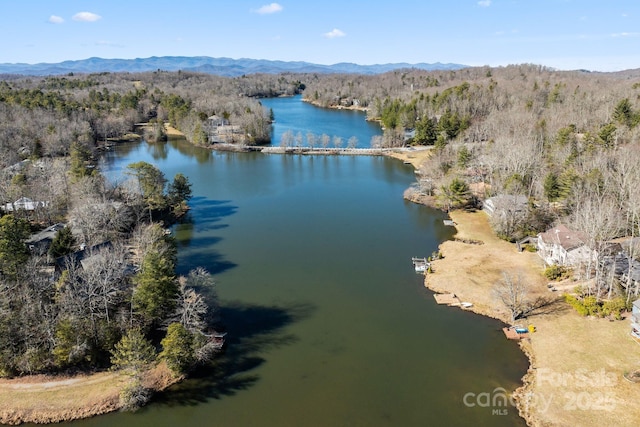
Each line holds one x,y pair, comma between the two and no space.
513,293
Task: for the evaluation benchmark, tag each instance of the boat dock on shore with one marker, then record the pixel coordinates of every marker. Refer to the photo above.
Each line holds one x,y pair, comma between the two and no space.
451,300
518,332
421,265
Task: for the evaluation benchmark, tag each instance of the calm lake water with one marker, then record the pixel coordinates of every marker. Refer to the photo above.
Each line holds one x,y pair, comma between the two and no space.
291,114
328,323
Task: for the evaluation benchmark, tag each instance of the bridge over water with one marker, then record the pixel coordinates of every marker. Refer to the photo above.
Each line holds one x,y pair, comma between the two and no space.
371,151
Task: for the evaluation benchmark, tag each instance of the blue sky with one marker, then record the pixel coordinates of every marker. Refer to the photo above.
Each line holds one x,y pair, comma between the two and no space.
599,35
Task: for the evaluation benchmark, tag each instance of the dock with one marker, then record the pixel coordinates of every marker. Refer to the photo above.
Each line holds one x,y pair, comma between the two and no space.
513,333
447,299
421,265
451,300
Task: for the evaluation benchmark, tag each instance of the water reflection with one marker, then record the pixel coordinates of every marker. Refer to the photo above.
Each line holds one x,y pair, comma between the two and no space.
158,150
201,154
253,331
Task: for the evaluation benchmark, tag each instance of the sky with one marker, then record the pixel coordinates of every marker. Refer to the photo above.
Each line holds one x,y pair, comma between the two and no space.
601,35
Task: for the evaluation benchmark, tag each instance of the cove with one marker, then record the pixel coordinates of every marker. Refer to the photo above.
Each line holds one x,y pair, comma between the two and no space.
328,323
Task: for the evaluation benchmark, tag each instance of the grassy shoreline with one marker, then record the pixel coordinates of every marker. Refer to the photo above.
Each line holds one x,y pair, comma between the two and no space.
577,364
43,399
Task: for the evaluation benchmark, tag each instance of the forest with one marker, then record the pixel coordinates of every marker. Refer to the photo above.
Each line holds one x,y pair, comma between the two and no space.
104,293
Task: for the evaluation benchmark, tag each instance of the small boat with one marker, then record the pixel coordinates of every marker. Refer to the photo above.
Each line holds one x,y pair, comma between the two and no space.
466,305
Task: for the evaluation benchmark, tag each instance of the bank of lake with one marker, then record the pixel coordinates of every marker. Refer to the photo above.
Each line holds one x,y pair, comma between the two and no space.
577,364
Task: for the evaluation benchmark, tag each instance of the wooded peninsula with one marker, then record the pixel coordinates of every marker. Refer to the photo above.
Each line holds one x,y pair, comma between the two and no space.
88,280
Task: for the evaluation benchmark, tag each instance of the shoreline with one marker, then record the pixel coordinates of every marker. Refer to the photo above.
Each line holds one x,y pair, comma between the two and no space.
576,364
466,271
565,349
336,107
47,399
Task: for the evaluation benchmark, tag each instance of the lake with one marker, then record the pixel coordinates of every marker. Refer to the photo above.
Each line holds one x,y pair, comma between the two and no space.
329,325
301,118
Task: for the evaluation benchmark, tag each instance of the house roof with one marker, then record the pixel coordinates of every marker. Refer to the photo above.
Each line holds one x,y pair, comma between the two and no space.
24,203
563,236
623,265
83,256
47,234
505,203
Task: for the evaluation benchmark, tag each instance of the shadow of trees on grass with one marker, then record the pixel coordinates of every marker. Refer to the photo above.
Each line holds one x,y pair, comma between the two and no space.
252,330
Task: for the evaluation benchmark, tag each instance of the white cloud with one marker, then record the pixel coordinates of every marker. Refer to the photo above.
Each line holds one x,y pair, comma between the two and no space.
268,8
334,33
54,19
484,3
86,17
625,34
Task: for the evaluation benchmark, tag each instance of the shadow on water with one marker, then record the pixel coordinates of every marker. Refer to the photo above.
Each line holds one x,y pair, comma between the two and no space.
252,331
210,260
205,216
207,213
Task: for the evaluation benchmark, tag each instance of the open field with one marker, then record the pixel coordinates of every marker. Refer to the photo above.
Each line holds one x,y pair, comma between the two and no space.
470,270
413,156
45,399
41,399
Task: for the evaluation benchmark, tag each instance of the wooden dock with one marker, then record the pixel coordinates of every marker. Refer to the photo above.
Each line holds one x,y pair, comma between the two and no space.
511,334
448,299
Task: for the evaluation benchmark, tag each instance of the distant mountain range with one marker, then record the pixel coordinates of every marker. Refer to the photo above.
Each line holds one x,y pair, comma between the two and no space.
204,64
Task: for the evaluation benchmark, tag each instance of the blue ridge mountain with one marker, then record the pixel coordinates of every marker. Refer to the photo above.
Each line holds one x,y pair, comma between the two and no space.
220,66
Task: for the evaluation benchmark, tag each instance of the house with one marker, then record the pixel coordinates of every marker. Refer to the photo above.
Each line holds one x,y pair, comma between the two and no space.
409,134
24,203
506,205
16,168
40,242
217,121
85,257
625,268
565,247
635,319
88,258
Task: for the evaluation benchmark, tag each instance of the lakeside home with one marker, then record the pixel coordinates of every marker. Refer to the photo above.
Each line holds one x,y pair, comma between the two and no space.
40,242
25,204
564,247
505,205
